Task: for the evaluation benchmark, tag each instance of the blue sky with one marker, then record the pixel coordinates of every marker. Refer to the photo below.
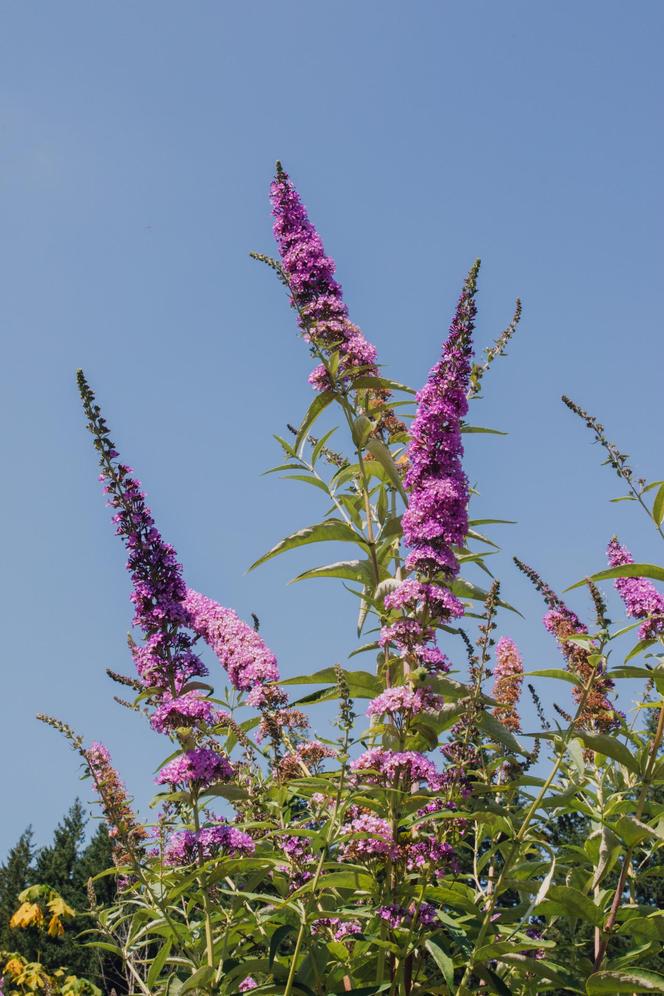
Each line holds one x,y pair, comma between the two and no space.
137,146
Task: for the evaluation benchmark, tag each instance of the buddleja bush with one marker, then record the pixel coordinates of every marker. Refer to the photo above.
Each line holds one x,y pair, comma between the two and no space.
419,850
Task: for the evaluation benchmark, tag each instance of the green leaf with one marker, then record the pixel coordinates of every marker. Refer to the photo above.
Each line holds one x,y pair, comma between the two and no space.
366,381
350,570
280,934
380,452
498,732
481,428
198,980
319,404
104,946
625,571
362,684
318,448
633,831
159,962
328,531
639,648
444,962
604,744
625,981
574,903
554,672
466,589
308,479
226,791
658,506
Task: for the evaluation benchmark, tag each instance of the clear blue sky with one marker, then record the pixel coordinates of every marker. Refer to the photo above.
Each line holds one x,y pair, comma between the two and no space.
137,147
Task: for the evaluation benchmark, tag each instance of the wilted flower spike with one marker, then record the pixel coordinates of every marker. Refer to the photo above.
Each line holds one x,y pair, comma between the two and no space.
125,830
640,597
508,678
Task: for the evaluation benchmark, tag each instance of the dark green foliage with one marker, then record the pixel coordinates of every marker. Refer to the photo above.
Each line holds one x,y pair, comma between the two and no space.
66,865
15,875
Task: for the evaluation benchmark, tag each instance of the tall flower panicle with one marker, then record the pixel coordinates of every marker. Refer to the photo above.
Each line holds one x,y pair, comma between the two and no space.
323,316
124,828
166,660
239,648
436,519
640,597
316,295
508,678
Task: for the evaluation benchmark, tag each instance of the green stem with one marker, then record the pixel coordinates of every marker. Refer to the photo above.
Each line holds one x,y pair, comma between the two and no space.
209,943
627,860
521,834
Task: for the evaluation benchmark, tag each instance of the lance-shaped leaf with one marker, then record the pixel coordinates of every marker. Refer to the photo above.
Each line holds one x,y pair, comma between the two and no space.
499,733
319,404
466,589
350,570
380,452
609,746
624,571
625,980
329,531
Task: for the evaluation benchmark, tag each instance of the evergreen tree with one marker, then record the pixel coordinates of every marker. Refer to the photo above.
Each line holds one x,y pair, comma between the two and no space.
15,875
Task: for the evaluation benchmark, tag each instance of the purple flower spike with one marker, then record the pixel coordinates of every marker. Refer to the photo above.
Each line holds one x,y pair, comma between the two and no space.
437,517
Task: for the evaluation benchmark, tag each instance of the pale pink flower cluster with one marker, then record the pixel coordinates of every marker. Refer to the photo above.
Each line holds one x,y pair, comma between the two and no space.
508,678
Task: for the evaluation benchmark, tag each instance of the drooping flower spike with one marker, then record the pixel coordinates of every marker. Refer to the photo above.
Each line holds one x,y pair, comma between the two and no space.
239,648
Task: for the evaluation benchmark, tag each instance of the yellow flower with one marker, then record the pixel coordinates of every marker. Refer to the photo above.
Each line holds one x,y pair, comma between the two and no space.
14,966
34,977
55,928
59,907
26,915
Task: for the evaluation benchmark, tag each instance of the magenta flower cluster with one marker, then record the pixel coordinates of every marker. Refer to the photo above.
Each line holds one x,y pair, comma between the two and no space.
200,767
377,840
188,709
398,916
323,316
247,984
239,648
641,598
341,929
186,846
378,766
